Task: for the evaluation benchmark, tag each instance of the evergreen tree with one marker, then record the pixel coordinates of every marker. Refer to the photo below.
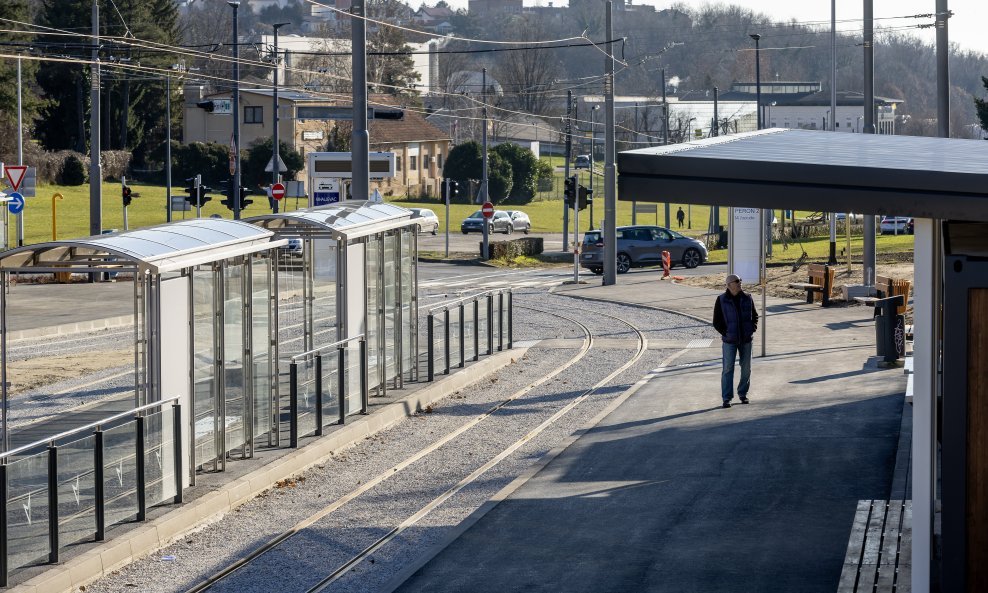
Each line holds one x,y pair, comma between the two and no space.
62,122
16,10
981,106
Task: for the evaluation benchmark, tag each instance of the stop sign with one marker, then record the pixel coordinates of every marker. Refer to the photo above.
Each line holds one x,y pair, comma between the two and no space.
487,210
278,191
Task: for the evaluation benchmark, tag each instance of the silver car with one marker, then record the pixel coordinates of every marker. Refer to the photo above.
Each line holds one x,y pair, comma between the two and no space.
642,246
427,220
520,221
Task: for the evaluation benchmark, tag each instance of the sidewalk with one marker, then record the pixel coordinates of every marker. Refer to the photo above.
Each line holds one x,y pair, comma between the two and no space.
670,492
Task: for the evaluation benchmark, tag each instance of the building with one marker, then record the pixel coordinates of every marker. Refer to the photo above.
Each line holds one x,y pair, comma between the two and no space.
494,7
306,120
433,18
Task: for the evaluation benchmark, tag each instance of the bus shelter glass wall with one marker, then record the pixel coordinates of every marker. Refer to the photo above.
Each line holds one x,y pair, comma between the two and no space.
391,307
373,308
263,371
408,310
325,260
205,417
235,393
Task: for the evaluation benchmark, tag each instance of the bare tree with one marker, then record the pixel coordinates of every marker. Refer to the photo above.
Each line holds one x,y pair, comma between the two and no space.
528,75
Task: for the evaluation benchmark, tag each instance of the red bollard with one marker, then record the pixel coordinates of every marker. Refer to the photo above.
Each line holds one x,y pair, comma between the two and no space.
666,264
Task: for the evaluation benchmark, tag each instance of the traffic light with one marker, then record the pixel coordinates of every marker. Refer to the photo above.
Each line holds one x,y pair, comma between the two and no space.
244,192
569,192
584,196
454,188
228,192
192,189
203,198
127,195
377,113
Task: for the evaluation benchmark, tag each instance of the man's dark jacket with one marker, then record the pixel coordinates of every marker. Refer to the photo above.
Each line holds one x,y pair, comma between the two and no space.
735,317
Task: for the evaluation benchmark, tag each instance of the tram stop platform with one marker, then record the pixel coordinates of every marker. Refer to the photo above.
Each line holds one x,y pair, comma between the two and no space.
667,491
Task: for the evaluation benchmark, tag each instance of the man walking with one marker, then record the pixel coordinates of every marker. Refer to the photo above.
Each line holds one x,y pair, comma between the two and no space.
736,320
680,216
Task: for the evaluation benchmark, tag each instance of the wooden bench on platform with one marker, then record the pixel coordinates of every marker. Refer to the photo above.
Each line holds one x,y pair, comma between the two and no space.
879,552
821,282
886,287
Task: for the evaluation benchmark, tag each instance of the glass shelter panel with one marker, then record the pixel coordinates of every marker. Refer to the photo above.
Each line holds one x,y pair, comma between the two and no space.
390,305
262,371
235,388
120,473
159,456
325,276
205,422
76,490
407,272
27,510
373,311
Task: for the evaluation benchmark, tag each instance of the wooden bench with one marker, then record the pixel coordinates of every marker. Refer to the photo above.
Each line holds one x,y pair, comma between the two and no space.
821,282
886,287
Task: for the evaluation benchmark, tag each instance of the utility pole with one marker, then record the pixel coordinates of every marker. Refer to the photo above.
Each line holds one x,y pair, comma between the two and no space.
168,147
593,136
484,196
665,111
943,71
569,150
275,118
235,182
869,128
609,230
359,139
20,152
832,260
95,170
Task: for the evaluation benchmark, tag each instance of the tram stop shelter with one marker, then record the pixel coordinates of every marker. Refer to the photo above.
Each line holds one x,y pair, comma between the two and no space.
943,183
352,277
205,305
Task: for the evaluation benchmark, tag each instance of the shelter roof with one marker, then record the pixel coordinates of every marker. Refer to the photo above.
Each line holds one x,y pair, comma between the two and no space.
350,219
155,250
815,170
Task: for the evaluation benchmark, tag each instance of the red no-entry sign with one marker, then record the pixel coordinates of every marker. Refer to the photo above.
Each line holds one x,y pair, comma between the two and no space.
487,210
278,191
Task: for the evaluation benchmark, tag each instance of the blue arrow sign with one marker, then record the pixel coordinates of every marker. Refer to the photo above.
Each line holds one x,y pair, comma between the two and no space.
16,203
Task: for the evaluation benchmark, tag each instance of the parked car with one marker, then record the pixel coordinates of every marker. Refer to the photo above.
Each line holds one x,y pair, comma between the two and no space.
427,220
642,246
582,161
900,225
500,223
520,221
840,216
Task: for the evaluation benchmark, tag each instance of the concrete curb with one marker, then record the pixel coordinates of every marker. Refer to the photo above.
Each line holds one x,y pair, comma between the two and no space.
211,507
71,328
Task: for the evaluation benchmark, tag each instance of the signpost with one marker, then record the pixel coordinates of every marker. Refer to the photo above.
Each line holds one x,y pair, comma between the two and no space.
278,191
488,211
16,203
15,175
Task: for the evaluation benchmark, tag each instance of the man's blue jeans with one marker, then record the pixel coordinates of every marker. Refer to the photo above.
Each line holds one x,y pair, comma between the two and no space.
731,352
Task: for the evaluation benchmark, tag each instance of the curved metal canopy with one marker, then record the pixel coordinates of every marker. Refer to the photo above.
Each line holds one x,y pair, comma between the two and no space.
156,249
344,221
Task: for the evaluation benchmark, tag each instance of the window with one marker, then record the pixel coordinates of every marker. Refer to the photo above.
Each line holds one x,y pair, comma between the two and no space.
412,165
439,160
660,235
398,163
253,115
425,161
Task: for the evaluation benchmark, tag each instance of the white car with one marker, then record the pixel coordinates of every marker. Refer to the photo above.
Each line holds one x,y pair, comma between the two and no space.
520,221
427,220
896,225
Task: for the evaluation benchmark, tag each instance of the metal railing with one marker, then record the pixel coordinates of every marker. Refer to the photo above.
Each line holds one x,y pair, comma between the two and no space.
307,394
466,323
73,490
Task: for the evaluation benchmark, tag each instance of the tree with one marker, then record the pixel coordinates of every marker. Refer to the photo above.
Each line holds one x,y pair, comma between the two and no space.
339,137
17,10
258,157
524,170
981,105
396,69
62,121
465,163
529,75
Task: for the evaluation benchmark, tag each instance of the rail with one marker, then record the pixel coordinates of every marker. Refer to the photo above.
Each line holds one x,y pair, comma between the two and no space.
301,411
462,335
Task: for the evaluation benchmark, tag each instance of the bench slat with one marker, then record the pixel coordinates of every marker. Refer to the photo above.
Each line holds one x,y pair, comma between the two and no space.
873,537
806,286
890,545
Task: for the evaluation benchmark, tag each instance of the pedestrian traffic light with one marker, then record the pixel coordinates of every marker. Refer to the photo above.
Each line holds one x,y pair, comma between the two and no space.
127,195
228,192
584,196
569,192
244,202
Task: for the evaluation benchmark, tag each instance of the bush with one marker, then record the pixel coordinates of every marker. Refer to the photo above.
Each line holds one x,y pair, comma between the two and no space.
524,171
546,176
513,248
465,163
498,177
252,172
116,163
73,171
209,159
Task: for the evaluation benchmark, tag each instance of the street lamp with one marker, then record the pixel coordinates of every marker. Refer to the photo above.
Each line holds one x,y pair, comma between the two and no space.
275,146
593,134
758,79
235,168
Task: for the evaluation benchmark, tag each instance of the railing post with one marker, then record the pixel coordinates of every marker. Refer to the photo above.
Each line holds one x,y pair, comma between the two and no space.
364,395
446,345
490,324
139,458
431,362
476,329
500,321
318,394
52,504
4,564
99,486
293,405
463,346
511,317
177,436
341,380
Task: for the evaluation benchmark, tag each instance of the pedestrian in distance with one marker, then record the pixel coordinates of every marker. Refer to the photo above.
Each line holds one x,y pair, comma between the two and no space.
736,320
680,216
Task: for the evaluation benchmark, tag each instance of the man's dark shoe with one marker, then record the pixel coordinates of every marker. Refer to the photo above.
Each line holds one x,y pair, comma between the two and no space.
726,405
744,400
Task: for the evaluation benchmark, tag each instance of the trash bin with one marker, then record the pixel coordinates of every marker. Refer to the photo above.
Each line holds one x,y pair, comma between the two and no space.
890,328
722,238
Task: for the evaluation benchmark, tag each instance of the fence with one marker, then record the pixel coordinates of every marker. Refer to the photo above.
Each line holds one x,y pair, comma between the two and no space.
463,322
72,490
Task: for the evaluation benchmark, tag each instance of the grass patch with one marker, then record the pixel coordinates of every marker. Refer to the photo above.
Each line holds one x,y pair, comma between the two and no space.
818,249
519,261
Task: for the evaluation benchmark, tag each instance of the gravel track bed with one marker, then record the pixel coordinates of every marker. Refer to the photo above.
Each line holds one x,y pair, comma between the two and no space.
338,536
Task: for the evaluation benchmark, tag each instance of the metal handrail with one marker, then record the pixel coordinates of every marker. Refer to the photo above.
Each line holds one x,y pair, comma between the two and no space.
446,305
320,349
91,426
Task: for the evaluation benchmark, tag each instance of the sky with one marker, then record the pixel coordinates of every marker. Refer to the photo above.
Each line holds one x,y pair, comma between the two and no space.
965,28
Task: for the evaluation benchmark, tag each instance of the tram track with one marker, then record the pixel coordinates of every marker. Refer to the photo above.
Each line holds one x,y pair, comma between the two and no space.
422,511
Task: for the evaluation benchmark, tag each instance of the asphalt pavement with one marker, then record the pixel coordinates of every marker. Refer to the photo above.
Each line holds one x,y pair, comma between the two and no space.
671,492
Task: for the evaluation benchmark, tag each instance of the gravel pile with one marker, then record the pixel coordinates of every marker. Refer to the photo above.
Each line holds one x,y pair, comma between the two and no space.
305,559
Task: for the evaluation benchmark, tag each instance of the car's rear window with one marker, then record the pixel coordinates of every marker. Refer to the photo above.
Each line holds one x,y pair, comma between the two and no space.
477,214
591,237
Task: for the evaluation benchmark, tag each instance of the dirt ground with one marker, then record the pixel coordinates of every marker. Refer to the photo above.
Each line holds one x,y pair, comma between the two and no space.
25,375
